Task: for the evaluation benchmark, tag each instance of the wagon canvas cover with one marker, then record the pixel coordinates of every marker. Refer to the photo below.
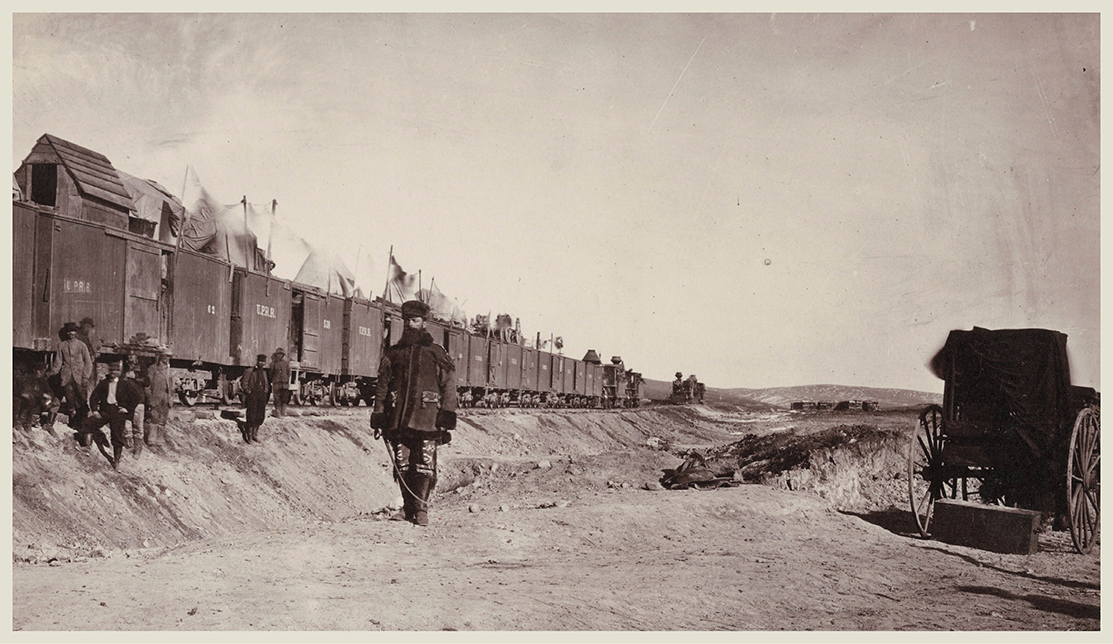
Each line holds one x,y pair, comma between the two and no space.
1019,377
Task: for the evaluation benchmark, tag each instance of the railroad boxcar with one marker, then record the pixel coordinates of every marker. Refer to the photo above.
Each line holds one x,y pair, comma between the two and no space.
568,387
261,309
513,368
316,346
83,269
74,255
545,374
202,309
529,370
477,371
362,338
581,378
496,365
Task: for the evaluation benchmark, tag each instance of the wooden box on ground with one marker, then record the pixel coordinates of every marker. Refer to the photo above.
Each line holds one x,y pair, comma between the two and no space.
988,527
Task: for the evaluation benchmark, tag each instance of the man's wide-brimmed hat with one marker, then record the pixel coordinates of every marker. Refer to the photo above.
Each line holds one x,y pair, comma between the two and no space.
679,375
280,351
262,357
415,309
66,328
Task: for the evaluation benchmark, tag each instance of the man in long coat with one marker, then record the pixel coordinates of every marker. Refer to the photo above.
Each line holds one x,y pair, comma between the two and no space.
74,365
280,378
160,398
256,386
415,407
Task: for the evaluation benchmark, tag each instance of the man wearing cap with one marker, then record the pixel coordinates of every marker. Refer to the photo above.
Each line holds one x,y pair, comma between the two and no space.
87,333
160,397
113,402
256,387
678,384
74,365
415,407
280,376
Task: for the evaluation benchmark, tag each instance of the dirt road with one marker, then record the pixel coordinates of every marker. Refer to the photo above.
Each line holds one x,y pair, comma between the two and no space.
560,541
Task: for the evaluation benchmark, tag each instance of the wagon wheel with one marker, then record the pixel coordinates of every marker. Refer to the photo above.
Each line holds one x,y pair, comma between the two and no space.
925,466
295,395
1084,480
188,397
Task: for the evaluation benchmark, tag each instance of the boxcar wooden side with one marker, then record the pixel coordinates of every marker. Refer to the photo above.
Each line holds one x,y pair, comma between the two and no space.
202,308
260,315
362,338
513,366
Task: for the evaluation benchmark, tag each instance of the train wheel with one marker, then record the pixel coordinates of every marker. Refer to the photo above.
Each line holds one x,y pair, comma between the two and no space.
925,467
1084,480
188,398
295,395
331,395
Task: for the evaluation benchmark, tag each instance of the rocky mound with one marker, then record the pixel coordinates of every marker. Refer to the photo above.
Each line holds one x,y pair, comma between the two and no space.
855,467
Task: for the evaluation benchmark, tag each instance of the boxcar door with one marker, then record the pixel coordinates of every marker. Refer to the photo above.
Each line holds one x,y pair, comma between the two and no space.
310,332
142,284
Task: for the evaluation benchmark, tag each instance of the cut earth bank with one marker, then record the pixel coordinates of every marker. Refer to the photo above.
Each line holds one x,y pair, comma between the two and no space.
543,520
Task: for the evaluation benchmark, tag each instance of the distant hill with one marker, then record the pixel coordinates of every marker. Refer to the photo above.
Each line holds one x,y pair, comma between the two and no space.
783,397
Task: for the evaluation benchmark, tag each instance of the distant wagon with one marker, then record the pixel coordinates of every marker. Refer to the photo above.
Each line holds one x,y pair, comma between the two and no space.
1011,430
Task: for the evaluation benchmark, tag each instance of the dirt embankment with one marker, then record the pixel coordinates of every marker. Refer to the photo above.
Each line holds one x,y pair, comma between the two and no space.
542,521
204,481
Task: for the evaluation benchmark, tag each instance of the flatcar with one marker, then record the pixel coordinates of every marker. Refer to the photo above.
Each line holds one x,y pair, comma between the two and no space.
83,248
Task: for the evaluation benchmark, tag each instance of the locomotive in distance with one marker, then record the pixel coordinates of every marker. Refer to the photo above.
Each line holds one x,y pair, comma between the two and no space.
83,248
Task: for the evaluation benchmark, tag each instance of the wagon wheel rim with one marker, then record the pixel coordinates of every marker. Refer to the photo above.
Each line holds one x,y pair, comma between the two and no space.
331,395
925,473
1084,480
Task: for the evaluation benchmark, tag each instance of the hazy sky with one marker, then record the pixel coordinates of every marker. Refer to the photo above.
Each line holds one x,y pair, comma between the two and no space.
761,200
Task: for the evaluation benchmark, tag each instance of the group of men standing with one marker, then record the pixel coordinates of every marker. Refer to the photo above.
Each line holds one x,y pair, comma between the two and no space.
414,410
257,383
140,397
687,391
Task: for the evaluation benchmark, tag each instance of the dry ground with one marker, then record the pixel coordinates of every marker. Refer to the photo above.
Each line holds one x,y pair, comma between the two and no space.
543,521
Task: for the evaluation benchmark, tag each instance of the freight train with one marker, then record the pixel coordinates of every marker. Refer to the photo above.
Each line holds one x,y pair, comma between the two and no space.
80,251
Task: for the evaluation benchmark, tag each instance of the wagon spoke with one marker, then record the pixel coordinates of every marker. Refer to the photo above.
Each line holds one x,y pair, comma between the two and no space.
927,454
1091,496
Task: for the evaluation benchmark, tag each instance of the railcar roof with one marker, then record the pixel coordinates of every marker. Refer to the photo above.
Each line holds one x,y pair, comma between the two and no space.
92,171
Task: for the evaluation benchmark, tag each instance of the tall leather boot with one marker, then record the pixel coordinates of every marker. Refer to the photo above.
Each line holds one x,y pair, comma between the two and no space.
137,432
409,494
423,489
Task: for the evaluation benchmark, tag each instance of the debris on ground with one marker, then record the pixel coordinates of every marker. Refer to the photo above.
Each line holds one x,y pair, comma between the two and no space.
693,472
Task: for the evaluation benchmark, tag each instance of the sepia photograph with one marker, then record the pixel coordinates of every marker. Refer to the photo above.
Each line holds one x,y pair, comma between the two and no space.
394,325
